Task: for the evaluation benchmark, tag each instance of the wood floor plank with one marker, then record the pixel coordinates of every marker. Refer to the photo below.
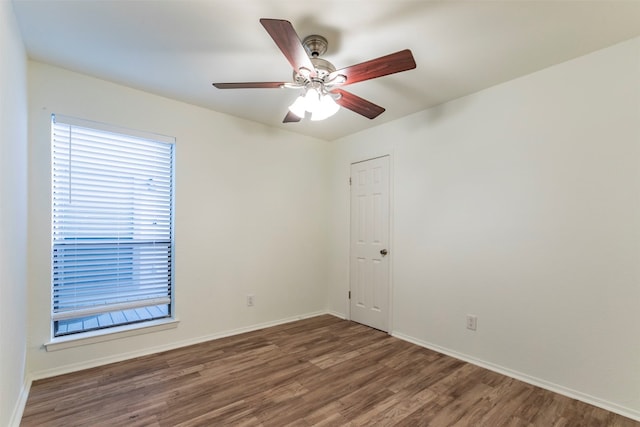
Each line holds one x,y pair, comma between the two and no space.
322,371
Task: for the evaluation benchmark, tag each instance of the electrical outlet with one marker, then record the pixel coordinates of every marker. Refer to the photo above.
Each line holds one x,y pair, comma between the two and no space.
472,322
250,300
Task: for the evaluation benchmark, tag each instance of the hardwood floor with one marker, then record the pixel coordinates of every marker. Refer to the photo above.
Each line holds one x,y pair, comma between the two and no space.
321,371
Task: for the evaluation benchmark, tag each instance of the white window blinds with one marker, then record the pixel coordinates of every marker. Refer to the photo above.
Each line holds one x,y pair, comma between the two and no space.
112,226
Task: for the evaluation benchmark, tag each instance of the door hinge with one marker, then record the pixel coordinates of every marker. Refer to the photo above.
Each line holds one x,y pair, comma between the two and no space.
349,180
349,294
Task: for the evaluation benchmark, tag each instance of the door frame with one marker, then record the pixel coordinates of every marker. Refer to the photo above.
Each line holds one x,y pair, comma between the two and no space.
391,246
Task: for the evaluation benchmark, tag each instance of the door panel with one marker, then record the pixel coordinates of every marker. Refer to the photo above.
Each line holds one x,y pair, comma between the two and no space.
369,236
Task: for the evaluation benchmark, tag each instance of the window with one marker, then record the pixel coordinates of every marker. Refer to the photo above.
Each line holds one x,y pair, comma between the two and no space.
112,228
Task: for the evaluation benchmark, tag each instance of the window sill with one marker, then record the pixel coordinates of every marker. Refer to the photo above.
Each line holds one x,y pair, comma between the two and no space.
110,334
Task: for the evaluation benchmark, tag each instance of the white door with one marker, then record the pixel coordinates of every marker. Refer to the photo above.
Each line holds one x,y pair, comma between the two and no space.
369,282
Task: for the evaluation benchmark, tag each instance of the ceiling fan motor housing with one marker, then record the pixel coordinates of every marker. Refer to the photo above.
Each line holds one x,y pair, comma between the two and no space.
315,46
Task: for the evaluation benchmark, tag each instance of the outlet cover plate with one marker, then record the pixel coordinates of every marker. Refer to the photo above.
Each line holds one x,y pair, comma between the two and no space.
472,322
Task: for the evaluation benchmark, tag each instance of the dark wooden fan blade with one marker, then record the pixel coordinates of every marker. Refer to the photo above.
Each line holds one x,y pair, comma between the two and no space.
286,38
290,118
357,104
383,66
249,85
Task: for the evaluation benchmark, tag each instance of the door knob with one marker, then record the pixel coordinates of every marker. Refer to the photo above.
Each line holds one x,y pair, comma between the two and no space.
383,252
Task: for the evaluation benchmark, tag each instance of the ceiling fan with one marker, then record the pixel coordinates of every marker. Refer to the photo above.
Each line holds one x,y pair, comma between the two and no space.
319,79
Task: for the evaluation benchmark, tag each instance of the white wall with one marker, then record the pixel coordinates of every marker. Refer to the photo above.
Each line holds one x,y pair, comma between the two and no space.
519,204
250,215
13,212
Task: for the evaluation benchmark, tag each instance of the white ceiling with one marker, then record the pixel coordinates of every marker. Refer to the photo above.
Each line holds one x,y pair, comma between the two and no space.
177,48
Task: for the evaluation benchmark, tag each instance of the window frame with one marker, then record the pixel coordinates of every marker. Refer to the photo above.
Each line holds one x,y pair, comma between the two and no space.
130,327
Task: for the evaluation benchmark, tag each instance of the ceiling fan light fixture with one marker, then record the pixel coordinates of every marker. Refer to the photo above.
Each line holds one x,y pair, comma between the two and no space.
327,108
316,101
298,107
312,99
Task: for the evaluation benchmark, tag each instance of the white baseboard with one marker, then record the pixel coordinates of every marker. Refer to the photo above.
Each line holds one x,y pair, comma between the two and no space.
336,314
18,410
574,394
47,373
